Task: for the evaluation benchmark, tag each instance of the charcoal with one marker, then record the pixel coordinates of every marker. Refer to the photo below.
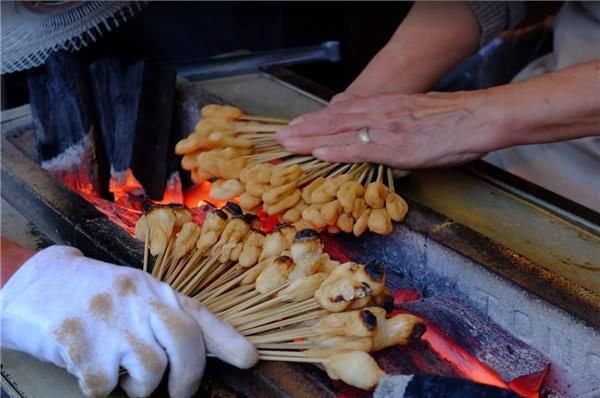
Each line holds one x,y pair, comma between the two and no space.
63,120
59,104
134,103
484,340
424,386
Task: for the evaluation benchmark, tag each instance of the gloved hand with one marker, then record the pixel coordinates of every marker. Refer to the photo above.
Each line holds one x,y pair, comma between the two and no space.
94,318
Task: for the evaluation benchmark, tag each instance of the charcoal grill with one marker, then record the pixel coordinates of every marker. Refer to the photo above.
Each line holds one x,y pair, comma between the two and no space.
526,264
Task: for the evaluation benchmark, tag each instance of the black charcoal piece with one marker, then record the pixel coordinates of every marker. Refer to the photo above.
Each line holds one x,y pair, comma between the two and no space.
425,386
60,104
63,120
134,104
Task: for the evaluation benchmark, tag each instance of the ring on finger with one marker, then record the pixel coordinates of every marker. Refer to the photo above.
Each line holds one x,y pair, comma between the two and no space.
363,135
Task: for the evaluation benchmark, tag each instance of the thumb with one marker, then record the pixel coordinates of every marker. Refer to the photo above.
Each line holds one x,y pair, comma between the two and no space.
220,338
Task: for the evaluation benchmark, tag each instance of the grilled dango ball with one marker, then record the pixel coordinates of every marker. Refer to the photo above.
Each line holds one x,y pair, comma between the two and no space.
348,193
226,112
226,189
233,233
401,329
302,288
396,206
332,345
275,243
356,368
274,274
348,283
359,323
159,224
186,239
252,249
379,221
215,221
306,252
375,194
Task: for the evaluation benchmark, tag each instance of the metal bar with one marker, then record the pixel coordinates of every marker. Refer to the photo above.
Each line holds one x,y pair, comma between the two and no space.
254,62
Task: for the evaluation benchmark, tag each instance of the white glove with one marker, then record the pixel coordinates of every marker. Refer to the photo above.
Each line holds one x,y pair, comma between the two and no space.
92,318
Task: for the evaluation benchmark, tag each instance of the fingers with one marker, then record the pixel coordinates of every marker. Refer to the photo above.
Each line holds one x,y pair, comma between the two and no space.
182,339
98,382
220,338
145,364
306,145
324,122
345,96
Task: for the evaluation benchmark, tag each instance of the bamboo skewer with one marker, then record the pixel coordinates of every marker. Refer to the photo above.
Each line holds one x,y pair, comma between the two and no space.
250,127
245,292
296,354
247,330
291,359
390,174
245,308
287,335
217,290
162,260
146,244
187,270
265,119
280,312
286,346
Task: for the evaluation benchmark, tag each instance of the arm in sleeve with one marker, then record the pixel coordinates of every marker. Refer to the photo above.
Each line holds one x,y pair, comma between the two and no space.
496,16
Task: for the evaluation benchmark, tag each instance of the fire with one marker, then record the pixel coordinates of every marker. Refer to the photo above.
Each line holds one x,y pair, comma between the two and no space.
129,192
129,196
199,195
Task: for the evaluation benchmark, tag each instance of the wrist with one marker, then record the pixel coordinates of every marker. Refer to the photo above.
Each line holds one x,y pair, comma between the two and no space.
496,119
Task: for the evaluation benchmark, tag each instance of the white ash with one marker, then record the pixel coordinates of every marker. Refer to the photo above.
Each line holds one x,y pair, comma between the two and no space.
69,159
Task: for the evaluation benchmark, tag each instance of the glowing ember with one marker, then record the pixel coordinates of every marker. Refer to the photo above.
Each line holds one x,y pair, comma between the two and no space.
199,195
129,196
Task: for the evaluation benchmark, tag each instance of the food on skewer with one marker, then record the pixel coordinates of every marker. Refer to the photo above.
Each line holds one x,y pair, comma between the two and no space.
356,368
239,155
280,289
186,239
359,323
274,274
396,206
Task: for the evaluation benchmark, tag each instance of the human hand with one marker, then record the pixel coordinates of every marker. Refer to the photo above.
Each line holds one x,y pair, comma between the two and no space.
344,96
94,318
406,131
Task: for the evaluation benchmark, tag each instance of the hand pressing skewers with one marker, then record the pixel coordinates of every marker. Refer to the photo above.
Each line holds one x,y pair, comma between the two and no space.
238,153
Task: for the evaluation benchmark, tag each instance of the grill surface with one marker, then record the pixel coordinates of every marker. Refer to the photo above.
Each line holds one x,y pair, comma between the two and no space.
543,309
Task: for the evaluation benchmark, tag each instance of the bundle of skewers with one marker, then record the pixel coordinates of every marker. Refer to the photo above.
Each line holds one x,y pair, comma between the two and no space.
239,155
280,290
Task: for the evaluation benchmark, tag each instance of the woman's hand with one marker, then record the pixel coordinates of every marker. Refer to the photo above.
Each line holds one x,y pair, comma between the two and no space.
406,131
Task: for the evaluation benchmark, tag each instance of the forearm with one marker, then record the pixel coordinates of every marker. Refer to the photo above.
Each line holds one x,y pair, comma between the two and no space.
432,39
558,106
12,256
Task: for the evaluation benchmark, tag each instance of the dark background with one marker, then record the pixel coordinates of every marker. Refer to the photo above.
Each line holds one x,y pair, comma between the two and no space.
180,32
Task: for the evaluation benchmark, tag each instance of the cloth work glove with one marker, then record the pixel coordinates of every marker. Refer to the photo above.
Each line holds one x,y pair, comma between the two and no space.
94,318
